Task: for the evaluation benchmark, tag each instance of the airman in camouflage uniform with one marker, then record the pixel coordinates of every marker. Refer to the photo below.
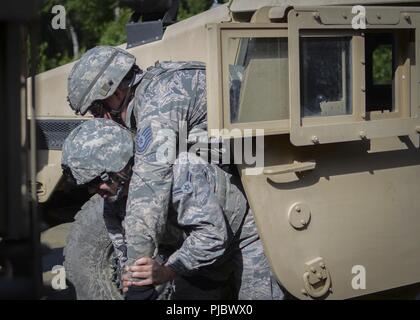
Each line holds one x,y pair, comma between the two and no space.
169,98
212,230
85,159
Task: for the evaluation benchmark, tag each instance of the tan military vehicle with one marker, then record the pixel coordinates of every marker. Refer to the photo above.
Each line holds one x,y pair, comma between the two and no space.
335,85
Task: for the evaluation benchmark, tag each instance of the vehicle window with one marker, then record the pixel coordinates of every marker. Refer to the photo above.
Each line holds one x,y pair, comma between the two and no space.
258,79
325,76
380,69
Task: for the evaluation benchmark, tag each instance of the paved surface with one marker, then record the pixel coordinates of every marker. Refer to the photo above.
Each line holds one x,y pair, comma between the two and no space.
53,242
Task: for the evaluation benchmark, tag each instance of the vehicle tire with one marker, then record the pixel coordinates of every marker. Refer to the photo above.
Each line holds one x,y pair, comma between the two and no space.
90,262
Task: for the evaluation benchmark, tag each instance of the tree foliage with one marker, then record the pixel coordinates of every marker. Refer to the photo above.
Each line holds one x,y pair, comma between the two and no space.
382,65
90,23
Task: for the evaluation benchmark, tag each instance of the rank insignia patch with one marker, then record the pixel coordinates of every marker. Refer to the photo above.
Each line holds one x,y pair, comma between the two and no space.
144,139
187,188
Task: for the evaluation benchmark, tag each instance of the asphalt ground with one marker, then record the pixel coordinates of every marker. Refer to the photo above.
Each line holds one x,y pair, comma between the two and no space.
53,242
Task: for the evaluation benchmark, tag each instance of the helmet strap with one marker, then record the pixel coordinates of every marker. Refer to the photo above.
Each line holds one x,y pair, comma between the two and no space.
117,112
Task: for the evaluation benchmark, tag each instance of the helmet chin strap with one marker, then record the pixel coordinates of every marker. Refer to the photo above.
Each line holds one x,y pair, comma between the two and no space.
116,113
124,179
118,194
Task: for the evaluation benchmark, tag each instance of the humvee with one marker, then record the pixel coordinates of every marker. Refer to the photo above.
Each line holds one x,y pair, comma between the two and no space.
335,85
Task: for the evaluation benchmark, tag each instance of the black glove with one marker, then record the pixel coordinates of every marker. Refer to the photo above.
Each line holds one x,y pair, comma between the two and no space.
141,293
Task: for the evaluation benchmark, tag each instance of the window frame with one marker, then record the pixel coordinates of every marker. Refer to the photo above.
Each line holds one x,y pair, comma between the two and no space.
218,78
361,124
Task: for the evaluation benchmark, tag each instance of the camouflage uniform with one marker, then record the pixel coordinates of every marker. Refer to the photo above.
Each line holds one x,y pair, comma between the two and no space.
86,156
170,97
114,213
209,221
222,242
169,100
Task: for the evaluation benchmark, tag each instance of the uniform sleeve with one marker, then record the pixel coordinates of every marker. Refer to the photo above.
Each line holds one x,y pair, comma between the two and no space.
201,216
160,115
113,224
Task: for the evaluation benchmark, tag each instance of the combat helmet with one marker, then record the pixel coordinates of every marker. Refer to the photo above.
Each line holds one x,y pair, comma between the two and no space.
96,76
95,149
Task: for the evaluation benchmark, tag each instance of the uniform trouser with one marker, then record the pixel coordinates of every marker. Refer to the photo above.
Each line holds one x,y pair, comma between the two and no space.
243,274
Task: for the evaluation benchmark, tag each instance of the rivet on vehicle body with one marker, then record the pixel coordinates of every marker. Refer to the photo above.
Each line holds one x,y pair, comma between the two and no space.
319,276
322,265
315,15
313,270
407,17
303,222
379,16
362,134
362,62
363,89
303,291
315,139
345,16
298,209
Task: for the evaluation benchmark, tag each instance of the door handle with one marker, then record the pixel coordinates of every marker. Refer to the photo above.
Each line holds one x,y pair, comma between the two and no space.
291,167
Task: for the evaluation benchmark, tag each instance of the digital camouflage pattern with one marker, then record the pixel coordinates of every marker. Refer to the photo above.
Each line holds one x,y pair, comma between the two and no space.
222,245
174,101
209,207
218,244
244,273
88,149
114,213
97,75
207,210
252,274
170,95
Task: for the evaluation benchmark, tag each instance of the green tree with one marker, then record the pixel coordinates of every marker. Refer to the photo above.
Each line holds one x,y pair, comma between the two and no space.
382,65
90,23
86,23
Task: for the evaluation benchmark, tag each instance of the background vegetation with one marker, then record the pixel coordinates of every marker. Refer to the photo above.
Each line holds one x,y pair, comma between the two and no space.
90,23
102,22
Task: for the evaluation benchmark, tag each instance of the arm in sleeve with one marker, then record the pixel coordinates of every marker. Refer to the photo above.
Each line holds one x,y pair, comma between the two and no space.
201,216
159,117
113,224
